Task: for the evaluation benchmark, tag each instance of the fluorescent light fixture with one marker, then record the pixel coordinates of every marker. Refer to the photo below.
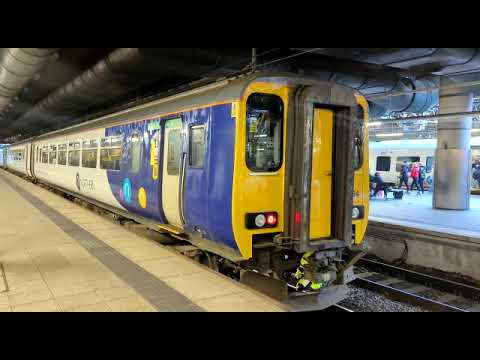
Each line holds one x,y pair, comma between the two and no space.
389,134
475,130
374,123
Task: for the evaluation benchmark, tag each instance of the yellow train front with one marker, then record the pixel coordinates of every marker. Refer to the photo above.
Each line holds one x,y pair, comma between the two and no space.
300,185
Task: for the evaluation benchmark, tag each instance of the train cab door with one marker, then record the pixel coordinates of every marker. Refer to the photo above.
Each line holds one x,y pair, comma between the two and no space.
172,168
321,182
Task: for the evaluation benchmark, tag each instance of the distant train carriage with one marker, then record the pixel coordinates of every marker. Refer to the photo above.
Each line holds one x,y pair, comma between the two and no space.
257,170
387,157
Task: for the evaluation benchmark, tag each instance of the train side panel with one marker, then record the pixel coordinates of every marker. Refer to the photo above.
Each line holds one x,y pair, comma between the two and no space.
17,158
89,182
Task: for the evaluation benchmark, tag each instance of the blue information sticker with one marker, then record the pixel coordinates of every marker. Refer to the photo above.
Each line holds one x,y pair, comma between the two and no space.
127,190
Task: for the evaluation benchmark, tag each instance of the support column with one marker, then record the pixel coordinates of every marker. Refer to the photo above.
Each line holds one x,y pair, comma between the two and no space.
453,155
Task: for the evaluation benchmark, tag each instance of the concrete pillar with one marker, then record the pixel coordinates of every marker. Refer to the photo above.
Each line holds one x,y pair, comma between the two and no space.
453,155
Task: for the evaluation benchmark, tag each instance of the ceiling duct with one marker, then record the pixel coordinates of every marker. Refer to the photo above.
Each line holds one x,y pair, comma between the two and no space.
18,66
121,72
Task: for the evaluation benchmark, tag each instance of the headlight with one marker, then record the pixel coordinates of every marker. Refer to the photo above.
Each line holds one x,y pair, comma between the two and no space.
357,212
260,220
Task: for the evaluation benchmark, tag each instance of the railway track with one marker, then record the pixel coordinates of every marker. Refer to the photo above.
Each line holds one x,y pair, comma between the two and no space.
418,289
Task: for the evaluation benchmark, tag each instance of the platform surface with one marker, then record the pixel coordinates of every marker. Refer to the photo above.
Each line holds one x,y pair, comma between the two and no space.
59,256
416,211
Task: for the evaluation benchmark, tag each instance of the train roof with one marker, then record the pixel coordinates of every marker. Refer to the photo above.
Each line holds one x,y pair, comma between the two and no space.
231,89
412,144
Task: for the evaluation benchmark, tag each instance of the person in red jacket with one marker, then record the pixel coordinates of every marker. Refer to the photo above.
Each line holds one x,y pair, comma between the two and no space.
415,174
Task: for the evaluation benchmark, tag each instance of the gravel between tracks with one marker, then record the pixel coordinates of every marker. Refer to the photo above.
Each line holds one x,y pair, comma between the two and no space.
363,300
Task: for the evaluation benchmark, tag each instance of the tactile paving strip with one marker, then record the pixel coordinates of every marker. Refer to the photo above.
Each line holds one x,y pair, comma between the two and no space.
155,291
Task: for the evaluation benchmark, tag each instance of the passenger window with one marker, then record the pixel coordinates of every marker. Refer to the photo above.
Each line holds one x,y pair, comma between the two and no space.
359,134
62,154
74,154
264,132
174,152
135,152
45,155
52,157
89,154
111,153
197,146
408,159
383,163
429,164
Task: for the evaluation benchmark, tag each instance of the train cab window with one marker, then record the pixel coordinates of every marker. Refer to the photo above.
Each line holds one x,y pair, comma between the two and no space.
52,155
135,152
264,132
429,164
111,153
197,146
409,159
358,138
45,155
383,163
74,154
89,154
62,154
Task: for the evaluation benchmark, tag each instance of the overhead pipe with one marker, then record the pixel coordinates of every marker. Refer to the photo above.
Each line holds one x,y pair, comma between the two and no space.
18,66
121,72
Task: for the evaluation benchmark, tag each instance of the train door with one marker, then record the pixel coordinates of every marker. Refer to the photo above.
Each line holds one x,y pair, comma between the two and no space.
319,170
33,159
26,159
321,183
172,159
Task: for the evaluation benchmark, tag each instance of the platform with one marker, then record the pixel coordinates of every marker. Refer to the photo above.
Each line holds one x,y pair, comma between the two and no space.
411,230
59,256
416,211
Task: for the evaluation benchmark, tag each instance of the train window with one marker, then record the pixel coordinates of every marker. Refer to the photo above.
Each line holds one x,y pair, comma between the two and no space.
174,152
197,146
52,155
62,154
135,152
111,153
383,163
45,155
359,135
264,132
408,159
89,154
429,164
74,154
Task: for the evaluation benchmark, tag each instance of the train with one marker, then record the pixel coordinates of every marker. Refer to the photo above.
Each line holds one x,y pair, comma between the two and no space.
387,157
258,171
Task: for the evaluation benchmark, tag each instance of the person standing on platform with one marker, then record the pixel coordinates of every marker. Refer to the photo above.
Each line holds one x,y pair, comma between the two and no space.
415,174
379,184
422,174
404,175
476,176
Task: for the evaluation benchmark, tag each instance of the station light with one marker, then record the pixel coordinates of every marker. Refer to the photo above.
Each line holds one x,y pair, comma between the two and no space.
374,123
475,130
389,135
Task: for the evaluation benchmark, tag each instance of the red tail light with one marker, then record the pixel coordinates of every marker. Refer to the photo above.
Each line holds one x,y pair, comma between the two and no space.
272,219
298,217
